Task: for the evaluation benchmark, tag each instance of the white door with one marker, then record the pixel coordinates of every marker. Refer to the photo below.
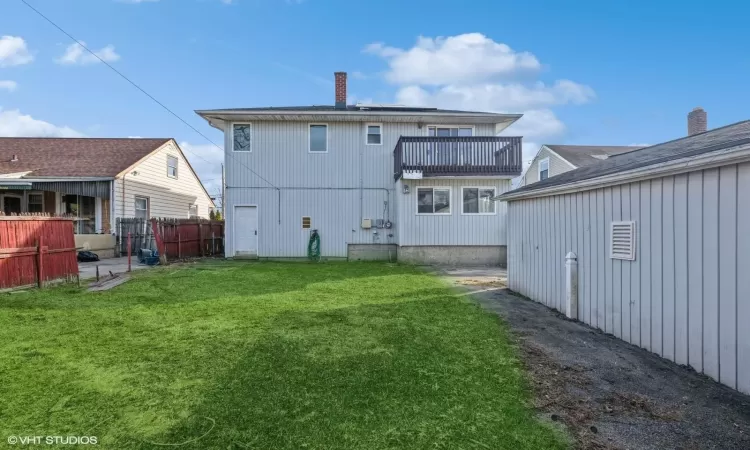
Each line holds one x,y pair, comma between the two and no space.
246,231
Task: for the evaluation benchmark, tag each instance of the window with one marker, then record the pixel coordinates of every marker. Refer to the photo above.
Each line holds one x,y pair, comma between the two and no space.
306,222
141,207
622,244
193,211
374,134
242,137
172,166
318,138
449,130
83,209
36,203
433,201
478,200
543,169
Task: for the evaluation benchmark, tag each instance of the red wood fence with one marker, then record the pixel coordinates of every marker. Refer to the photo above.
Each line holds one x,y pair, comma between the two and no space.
189,238
36,250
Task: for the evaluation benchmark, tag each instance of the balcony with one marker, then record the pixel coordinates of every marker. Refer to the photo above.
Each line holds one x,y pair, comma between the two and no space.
457,156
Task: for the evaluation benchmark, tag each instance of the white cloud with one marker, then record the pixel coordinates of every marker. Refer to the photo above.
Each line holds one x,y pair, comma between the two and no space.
8,85
15,124
76,54
14,52
208,172
471,57
498,96
473,72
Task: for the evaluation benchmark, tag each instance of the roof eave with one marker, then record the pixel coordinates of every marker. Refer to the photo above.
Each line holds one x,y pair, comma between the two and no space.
733,155
216,116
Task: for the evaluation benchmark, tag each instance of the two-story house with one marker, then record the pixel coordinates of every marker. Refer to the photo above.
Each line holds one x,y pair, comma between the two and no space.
375,181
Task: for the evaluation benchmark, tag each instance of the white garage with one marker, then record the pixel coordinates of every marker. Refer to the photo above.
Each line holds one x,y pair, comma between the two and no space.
661,238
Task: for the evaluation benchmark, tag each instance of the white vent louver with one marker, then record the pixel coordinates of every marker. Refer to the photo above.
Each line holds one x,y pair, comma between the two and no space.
623,241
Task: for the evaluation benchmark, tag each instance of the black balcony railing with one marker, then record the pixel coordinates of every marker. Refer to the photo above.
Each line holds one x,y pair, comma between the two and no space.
457,155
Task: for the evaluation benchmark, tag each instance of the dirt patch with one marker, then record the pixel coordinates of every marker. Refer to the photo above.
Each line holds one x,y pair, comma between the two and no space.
486,283
610,394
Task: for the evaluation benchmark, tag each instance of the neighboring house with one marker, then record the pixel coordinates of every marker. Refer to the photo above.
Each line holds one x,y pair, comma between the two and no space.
553,160
662,240
99,180
375,181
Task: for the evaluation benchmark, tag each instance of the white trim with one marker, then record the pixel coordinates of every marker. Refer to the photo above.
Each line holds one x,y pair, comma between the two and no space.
444,188
539,168
231,137
494,192
427,128
733,155
97,214
176,166
538,152
148,205
367,132
58,179
309,135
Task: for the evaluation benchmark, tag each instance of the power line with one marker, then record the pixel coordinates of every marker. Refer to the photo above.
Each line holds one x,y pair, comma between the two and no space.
147,95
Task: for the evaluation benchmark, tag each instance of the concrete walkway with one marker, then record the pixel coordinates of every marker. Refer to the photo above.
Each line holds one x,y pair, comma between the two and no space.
608,393
87,270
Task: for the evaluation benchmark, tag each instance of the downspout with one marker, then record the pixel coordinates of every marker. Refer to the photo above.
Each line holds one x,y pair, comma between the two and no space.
361,190
123,195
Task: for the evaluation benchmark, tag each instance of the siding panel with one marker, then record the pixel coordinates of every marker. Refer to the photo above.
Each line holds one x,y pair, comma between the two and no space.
685,296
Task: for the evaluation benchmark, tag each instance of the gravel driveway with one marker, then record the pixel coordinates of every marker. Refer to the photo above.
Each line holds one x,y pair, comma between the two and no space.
608,393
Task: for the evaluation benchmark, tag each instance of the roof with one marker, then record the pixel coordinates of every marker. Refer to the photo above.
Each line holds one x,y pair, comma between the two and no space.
691,146
586,155
333,108
73,157
357,113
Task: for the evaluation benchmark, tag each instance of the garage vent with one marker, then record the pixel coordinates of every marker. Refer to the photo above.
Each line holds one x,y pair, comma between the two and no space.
306,222
623,240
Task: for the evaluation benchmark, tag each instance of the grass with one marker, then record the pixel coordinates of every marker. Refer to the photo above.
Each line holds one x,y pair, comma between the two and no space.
265,355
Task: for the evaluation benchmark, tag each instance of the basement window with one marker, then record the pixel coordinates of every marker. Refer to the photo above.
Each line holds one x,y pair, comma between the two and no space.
622,244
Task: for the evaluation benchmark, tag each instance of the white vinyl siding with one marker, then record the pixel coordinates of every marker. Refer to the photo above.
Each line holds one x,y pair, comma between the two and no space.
455,229
169,197
683,297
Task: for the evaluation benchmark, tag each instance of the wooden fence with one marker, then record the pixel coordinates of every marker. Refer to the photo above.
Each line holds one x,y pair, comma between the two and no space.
36,250
175,238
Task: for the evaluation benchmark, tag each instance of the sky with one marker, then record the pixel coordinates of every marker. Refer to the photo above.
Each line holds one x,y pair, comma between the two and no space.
582,72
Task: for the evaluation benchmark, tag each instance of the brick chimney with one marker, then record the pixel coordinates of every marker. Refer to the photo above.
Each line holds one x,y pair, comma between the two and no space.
340,81
697,121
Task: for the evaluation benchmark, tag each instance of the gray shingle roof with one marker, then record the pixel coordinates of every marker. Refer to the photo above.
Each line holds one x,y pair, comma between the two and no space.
332,108
586,155
710,141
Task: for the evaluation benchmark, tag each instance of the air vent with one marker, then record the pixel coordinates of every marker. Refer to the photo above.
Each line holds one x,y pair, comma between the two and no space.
306,222
623,241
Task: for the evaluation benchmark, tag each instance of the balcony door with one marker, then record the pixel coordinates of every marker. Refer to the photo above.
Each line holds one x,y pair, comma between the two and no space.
449,153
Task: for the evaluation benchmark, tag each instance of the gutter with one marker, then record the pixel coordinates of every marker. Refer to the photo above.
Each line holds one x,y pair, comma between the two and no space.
734,155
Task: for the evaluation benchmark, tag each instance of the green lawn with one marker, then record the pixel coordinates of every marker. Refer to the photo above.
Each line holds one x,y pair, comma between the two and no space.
265,356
